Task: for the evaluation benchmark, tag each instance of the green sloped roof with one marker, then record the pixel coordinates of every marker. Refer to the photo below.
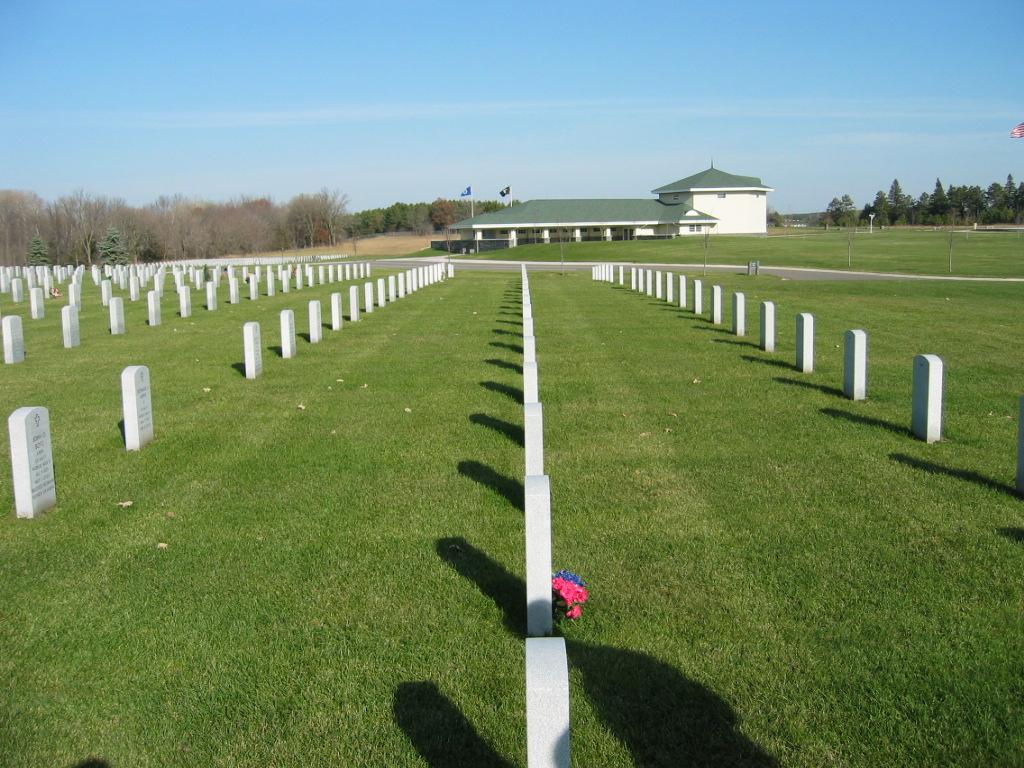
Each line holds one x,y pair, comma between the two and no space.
583,211
712,178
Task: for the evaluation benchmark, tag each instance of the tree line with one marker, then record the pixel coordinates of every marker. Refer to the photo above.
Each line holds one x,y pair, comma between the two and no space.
72,228
996,204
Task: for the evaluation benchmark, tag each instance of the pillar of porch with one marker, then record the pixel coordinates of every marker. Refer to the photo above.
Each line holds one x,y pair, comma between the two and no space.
607,233
545,235
576,234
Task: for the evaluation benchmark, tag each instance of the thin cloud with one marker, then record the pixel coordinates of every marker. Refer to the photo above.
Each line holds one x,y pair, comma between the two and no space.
763,109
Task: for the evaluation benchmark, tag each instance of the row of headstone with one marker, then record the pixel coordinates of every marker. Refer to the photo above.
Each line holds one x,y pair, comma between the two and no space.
547,670
926,405
397,287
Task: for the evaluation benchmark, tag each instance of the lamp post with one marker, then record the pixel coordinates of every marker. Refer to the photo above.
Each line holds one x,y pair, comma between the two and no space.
871,223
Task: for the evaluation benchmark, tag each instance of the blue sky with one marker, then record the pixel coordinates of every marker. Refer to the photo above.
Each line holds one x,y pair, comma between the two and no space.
392,101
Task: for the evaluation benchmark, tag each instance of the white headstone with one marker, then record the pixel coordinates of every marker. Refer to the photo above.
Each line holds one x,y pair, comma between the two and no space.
1020,447
658,281
348,271
632,278
287,334
232,290
368,297
116,316
621,274
271,283
36,309
185,301
538,555
106,290
14,339
401,285
451,269
926,417
650,282
69,325
133,288
353,303
698,297
337,319
682,291
392,288
211,296
547,703
855,365
530,385
31,461
805,342
316,323
528,328
252,349
716,304
137,405
739,314
533,438
530,348
254,288
768,326
153,304
381,299
670,284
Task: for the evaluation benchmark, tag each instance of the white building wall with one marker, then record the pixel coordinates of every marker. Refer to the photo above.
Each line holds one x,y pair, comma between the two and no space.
738,213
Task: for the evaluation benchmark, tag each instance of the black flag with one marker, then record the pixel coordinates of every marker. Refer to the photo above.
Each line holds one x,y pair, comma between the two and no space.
505,192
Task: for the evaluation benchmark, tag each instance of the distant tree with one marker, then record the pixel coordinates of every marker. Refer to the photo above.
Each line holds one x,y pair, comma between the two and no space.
775,219
938,206
880,207
442,214
38,253
841,211
111,249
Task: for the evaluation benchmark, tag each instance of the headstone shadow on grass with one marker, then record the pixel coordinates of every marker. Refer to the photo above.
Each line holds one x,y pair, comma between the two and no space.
507,365
240,367
437,729
513,393
663,718
503,332
511,347
1013,534
869,421
961,474
507,591
735,343
92,762
513,432
506,486
768,361
824,388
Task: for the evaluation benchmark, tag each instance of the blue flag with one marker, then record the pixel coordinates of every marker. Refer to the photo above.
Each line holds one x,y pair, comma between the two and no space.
469,191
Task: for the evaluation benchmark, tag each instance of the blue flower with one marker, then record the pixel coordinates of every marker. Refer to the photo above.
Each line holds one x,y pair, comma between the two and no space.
570,577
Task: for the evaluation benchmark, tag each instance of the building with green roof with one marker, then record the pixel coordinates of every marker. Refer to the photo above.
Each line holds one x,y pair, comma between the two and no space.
711,201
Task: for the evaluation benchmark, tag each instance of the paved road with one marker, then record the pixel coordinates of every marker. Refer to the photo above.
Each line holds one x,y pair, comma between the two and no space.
788,273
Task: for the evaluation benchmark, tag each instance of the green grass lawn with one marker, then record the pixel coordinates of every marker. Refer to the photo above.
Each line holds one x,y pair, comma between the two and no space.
778,575
985,254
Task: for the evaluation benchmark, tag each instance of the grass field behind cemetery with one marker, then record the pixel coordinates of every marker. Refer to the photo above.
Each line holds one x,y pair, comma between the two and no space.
778,575
975,253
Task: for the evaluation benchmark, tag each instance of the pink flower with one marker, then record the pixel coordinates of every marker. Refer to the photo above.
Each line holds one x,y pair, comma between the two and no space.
574,612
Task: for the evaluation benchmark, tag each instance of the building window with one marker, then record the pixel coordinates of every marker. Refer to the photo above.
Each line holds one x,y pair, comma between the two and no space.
721,194
675,198
695,227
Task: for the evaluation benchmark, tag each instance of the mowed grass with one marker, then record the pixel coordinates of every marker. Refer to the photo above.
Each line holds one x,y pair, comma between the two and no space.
779,575
983,254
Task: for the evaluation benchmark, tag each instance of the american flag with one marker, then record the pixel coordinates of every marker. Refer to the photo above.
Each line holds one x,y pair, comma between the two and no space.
1018,132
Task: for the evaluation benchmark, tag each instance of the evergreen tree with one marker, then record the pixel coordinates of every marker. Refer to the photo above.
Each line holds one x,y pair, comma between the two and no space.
938,207
38,254
112,250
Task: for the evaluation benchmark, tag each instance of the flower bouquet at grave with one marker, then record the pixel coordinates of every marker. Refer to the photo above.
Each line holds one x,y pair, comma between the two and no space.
569,593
